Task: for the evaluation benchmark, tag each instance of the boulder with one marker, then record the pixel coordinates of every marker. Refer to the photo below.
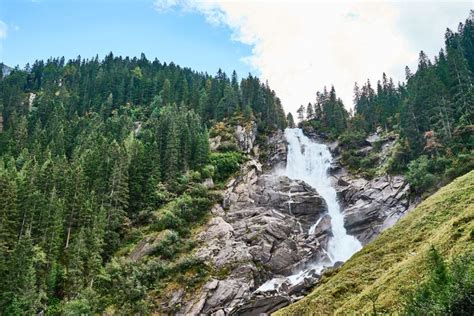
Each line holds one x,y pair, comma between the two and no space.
371,206
262,306
245,136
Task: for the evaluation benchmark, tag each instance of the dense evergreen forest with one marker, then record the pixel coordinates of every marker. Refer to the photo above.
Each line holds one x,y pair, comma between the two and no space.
90,150
432,113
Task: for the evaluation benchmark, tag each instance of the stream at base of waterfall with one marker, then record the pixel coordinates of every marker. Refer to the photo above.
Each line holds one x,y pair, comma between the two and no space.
310,161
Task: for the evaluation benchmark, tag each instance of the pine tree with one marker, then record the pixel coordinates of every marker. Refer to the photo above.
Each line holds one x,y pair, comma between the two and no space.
202,150
171,157
22,293
309,112
300,112
117,202
166,92
290,120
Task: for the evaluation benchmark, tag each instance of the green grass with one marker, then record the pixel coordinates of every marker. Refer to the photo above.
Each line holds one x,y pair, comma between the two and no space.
396,262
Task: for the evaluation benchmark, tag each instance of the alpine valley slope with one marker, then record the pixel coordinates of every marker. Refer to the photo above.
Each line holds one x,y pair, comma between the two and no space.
394,263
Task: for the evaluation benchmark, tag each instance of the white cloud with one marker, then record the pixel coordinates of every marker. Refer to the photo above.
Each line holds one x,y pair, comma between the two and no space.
302,46
165,5
3,30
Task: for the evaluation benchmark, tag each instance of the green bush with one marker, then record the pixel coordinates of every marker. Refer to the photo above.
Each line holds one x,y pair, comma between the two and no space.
185,210
169,219
169,245
418,175
227,146
226,164
448,291
399,157
438,165
352,139
208,171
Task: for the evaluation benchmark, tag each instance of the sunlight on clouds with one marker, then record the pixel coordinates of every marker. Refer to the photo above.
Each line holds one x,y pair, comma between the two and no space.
302,46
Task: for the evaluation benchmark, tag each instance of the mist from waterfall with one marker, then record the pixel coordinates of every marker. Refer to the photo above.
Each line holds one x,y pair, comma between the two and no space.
310,161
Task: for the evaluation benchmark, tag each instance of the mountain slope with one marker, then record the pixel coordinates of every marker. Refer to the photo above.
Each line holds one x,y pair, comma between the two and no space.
383,271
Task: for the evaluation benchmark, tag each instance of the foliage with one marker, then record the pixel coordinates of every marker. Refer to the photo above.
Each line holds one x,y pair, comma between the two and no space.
418,174
447,291
327,116
226,164
93,154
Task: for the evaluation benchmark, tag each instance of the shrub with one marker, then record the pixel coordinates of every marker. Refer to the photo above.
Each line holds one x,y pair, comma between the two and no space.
169,245
447,291
418,175
226,164
227,146
399,158
351,139
208,171
168,220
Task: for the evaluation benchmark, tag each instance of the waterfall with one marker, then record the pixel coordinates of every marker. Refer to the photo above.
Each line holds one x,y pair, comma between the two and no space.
310,161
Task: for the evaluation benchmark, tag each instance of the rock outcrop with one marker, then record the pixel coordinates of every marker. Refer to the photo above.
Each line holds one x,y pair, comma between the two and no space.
260,231
245,136
259,235
371,206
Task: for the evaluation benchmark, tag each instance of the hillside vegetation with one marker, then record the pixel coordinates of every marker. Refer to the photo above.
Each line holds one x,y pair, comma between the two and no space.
382,274
97,154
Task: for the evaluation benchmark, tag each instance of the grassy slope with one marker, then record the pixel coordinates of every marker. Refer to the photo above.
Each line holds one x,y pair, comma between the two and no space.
395,262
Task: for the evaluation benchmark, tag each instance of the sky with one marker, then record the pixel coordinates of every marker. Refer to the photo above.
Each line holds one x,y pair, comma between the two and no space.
297,46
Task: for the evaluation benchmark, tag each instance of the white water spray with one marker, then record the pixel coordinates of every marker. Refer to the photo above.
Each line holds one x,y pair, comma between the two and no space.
310,161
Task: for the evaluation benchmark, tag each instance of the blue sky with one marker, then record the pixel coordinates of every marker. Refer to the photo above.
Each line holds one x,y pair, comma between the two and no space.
44,28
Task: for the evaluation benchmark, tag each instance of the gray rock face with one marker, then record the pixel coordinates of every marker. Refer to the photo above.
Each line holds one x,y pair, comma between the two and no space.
245,136
260,231
372,206
275,147
369,206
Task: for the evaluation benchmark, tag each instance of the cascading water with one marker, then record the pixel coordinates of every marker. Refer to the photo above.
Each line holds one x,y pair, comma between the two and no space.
310,161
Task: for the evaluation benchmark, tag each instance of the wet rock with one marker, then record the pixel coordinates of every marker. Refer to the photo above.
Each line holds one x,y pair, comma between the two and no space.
371,206
262,305
323,226
261,230
338,264
302,287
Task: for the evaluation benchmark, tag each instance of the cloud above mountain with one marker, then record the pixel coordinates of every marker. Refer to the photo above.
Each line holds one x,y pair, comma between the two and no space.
302,46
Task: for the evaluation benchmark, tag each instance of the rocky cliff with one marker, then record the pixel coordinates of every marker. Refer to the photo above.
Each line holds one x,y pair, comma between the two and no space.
257,233
260,231
371,205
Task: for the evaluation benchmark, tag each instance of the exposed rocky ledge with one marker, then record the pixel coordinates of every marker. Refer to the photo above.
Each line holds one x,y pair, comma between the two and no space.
260,231
371,206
